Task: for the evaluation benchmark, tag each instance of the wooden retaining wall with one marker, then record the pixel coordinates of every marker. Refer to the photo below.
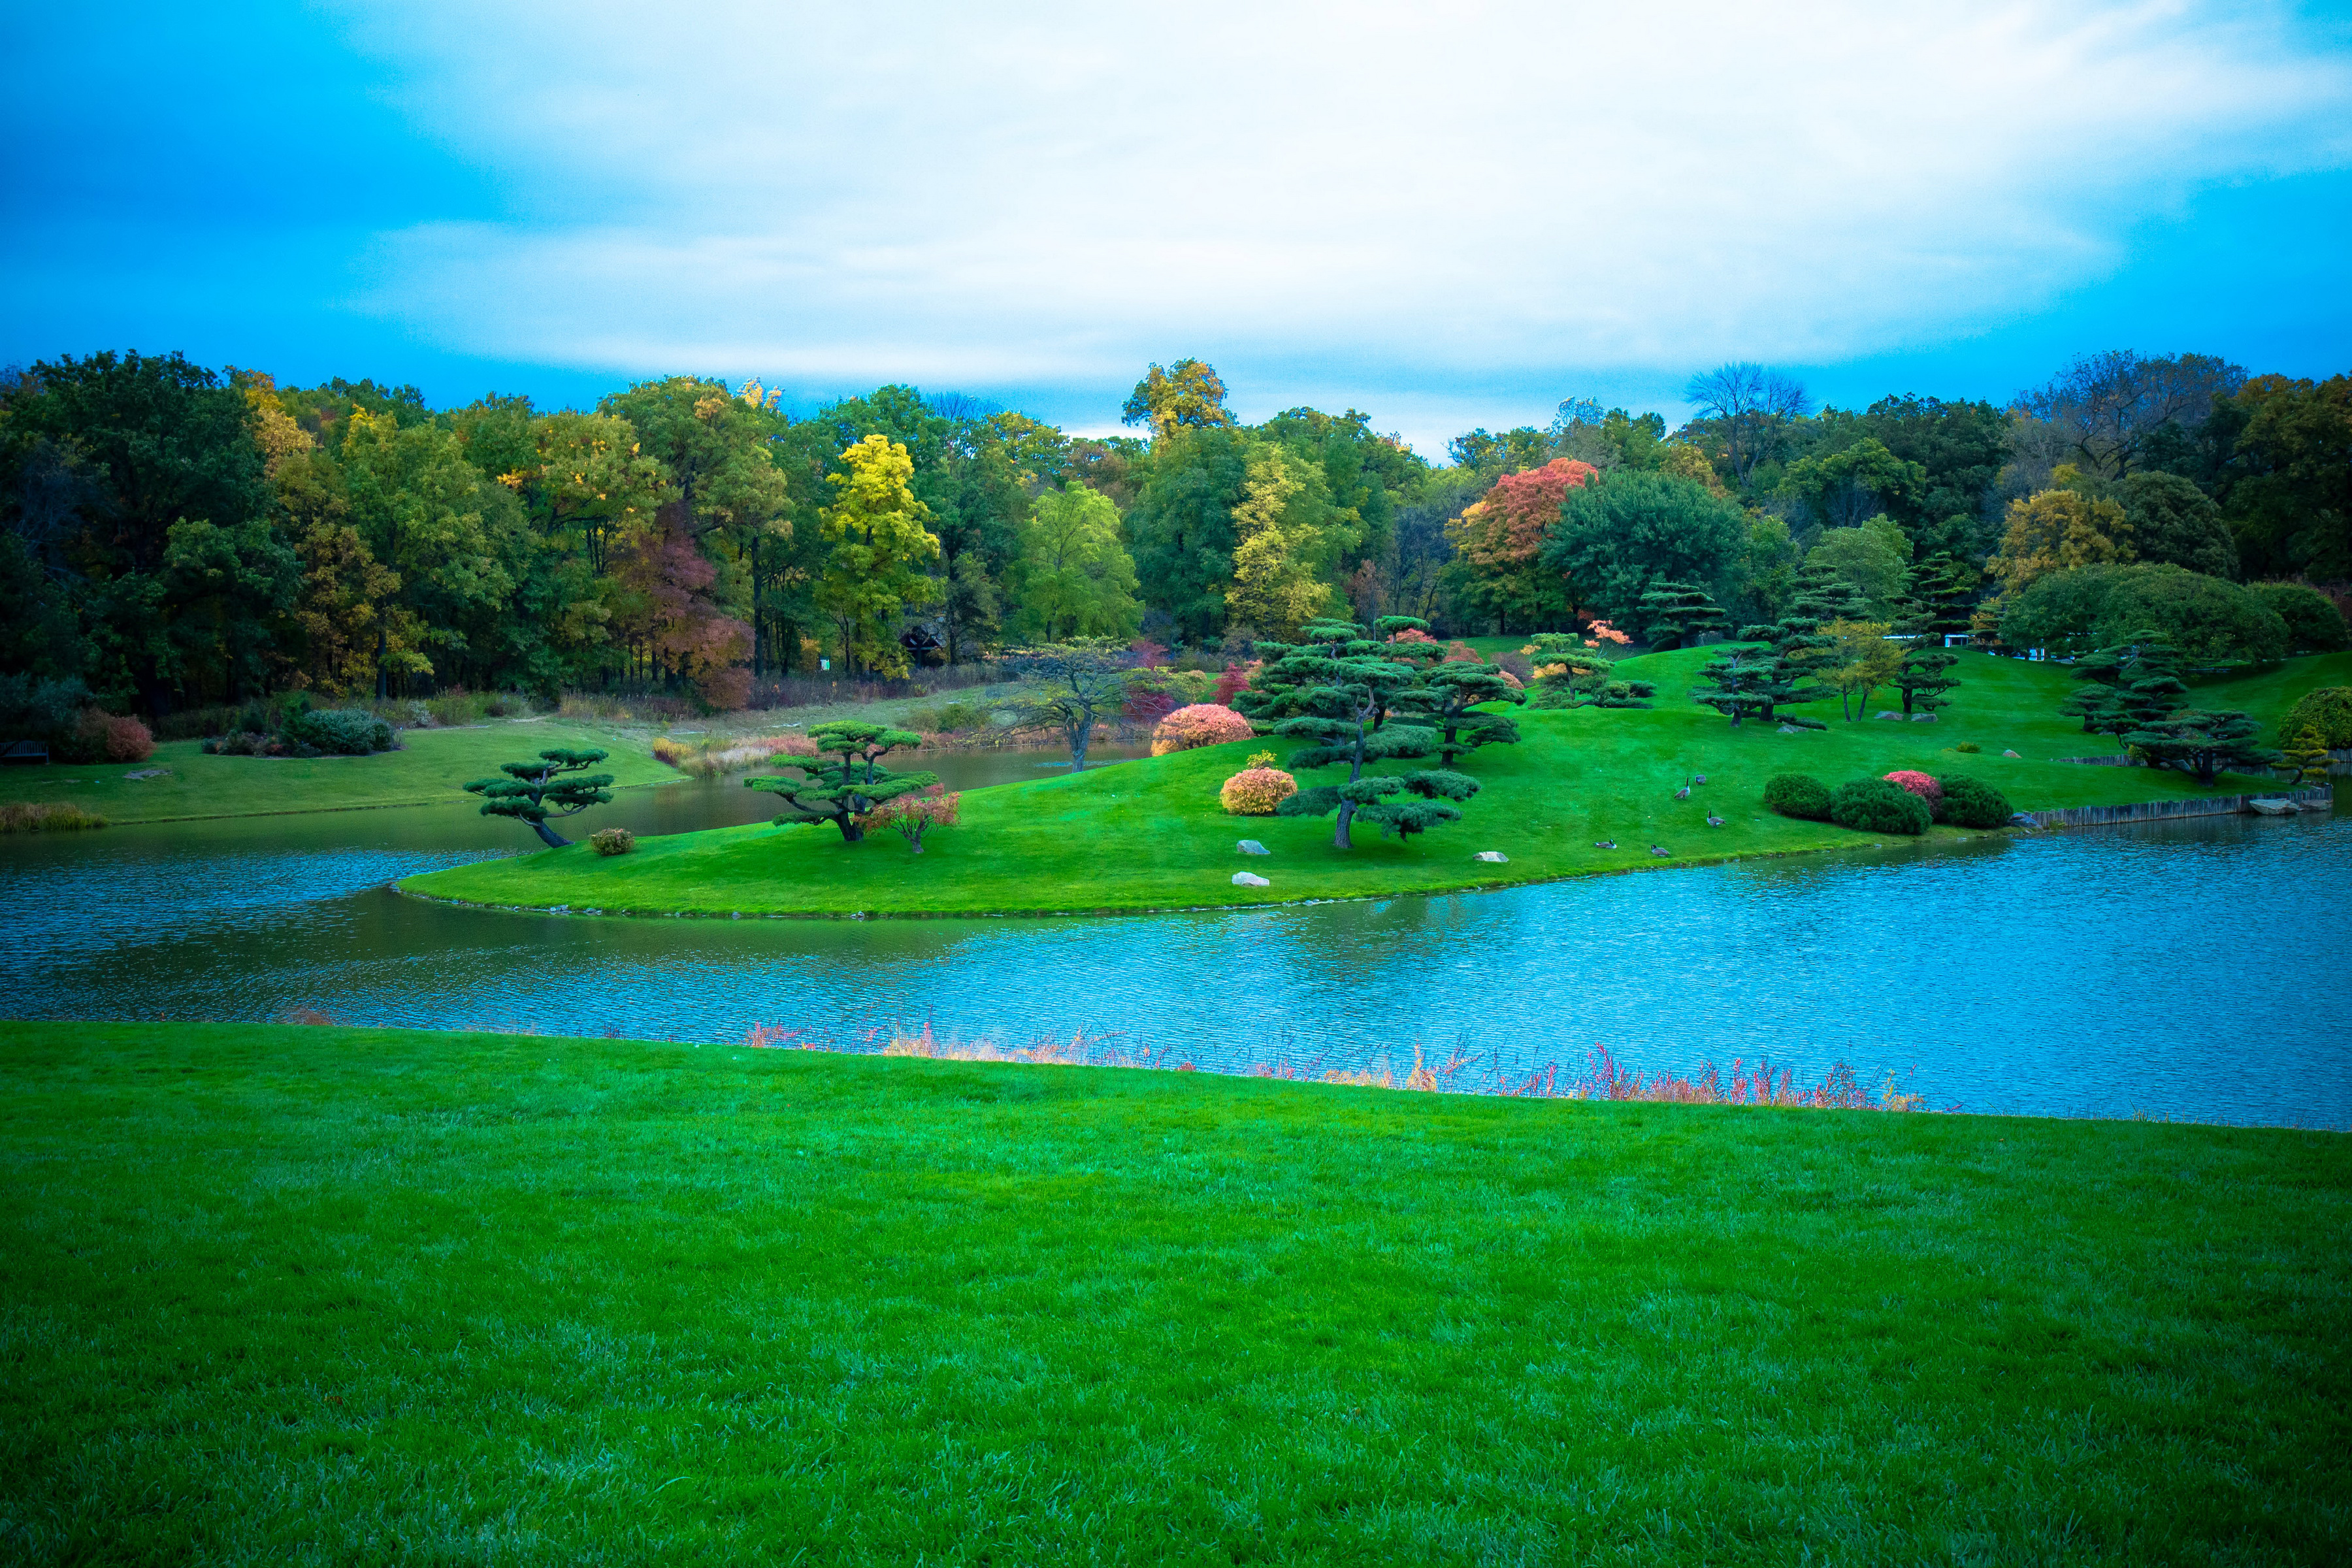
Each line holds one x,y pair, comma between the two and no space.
2157,810
2339,761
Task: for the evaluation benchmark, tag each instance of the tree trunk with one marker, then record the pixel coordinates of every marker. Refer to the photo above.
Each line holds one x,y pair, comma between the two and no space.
381,643
851,832
1340,834
1080,739
554,839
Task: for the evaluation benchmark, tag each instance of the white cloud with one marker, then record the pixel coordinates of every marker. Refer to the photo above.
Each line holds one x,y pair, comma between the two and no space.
1432,196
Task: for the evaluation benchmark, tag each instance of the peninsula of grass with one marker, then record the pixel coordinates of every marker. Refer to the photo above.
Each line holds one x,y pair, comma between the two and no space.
283,1294
180,782
1150,834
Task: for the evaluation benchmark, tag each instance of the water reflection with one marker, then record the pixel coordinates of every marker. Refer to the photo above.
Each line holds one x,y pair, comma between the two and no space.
2188,969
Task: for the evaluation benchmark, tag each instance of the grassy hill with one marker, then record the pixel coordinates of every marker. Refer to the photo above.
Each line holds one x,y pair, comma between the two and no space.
320,1295
1150,835
429,769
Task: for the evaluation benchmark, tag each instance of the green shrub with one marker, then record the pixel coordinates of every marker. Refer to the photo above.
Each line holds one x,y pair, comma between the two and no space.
343,732
1798,795
1969,747
956,716
2326,712
613,840
1971,803
1874,805
2313,624
2209,620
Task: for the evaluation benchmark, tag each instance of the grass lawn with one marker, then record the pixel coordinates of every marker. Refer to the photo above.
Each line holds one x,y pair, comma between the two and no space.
1149,834
320,1295
430,769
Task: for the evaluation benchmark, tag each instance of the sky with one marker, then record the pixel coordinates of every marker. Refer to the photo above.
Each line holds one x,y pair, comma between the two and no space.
1445,216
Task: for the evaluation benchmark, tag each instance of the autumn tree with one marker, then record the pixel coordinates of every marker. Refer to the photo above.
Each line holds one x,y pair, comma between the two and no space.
878,548
2056,531
1187,395
1858,661
1273,587
1499,540
1071,686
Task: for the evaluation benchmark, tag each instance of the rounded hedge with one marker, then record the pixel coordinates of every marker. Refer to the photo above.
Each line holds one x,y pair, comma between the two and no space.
2207,619
1972,802
612,841
345,732
1255,791
1874,805
2325,712
2313,624
1202,724
1798,795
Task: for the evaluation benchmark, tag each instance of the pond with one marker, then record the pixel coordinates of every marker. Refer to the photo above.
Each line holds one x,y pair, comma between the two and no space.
2193,970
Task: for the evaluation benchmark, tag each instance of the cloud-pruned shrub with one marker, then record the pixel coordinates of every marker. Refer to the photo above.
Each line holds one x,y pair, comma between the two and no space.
1874,805
1799,796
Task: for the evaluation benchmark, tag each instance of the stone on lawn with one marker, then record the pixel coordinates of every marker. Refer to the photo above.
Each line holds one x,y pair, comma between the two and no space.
2009,754
1791,729
1252,847
1890,713
1497,856
1244,879
1923,717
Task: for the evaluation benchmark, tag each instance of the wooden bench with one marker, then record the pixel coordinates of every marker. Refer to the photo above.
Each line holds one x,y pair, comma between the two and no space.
24,753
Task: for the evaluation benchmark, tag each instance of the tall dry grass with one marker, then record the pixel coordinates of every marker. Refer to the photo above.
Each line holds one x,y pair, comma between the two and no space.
23,816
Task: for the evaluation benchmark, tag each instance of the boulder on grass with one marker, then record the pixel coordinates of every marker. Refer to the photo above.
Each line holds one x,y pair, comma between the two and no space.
1890,713
1497,856
1923,717
1791,729
2009,754
1244,879
1252,847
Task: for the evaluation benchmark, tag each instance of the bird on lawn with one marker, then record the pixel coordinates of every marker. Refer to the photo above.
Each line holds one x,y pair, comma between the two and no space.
1661,852
1683,793
1604,844
1715,822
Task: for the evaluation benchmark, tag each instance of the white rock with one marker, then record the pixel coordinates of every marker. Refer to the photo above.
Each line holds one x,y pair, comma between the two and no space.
1497,856
2009,754
1890,713
1923,717
1244,879
1790,730
1252,847
2272,807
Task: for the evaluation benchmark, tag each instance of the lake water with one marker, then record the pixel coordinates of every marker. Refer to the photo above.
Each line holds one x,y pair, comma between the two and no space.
2196,970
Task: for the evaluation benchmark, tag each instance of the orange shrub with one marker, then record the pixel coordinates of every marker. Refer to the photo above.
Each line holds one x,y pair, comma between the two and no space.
1202,724
1255,791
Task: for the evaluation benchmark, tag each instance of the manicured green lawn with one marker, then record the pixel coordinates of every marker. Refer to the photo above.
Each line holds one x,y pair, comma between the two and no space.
320,1295
430,769
1150,835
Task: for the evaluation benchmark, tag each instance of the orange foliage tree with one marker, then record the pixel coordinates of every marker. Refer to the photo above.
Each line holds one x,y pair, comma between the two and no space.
1498,542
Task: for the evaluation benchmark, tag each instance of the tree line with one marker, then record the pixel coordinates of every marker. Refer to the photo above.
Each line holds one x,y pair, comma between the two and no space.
177,536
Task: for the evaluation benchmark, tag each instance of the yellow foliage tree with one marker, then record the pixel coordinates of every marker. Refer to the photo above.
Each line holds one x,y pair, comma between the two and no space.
1858,661
2056,530
1273,587
879,550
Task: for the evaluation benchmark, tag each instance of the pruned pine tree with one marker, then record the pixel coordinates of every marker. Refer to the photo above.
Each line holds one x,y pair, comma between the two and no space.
2203,744
1945,589
843,791
1432,791
1746,682
533,791
1273,693
1336,697
1570,675
1682,611
1923,678
2305,758
1446,698
2131,685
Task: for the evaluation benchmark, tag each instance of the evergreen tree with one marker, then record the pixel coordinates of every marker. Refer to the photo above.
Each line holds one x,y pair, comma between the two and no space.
1445,698
2132,686
2203,744
533,791
1746,682
1334,696
1683,610
2306,758
1922,678
1570,675
1945,590
842,791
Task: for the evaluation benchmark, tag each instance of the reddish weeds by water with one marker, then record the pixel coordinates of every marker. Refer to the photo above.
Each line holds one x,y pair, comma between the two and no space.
1605,1077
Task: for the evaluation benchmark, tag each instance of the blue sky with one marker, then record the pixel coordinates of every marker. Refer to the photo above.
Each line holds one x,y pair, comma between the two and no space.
1447,217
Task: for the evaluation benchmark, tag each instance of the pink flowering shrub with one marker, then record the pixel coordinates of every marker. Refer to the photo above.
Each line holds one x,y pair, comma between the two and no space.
1255,791
1918,784
1202,724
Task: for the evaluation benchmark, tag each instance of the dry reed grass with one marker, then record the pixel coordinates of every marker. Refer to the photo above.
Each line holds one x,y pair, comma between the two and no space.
23,816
